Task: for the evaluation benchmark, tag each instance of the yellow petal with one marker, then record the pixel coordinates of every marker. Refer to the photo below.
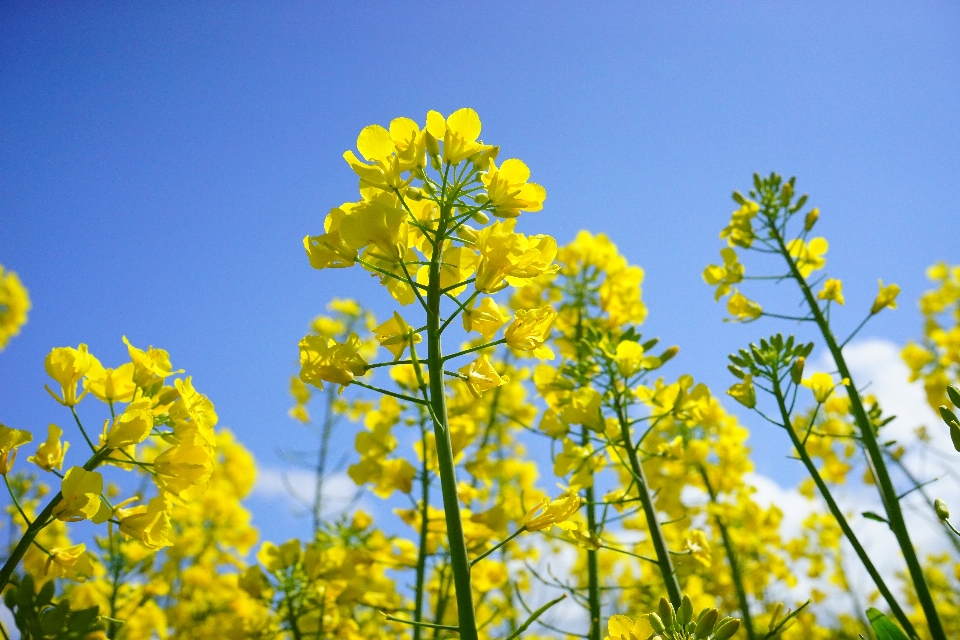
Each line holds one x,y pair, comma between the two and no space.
375,143
464,122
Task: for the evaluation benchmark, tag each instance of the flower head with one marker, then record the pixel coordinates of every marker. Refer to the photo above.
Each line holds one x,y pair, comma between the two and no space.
832,290
327,360
480,376
81,491
67,366
50,454
14,305
553,512
10,439
887,297
395,334
508,190
530,330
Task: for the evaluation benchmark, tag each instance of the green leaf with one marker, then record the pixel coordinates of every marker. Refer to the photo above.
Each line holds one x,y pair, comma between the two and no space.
870,515
884,627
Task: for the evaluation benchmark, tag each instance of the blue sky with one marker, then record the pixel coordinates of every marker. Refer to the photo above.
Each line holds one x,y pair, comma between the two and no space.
160,164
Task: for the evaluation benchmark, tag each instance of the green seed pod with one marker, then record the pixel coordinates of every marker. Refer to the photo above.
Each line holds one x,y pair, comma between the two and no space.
480,217
686,610
726,629
706,624
943,511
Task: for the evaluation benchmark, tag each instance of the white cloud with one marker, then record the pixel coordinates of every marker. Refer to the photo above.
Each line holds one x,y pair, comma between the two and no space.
298,487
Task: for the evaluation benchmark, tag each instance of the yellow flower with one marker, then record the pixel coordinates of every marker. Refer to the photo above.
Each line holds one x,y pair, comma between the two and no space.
50,454
150,366
14,306
379,222
276,559
623,628
743,392
530,330
886,298
459,133
584,408
832,290
457,265
186,464
505,254
822,385
508,189
391,153
10,439
631,360
485,318
111,385
740,230
67,365
81,491
329,249
395,334
326,360
745,310
809,256
150,523
130,427
723,276
696,543
557,512
72,563
481,376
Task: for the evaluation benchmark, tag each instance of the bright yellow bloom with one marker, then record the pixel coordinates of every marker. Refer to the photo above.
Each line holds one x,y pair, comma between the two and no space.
378,222
329,250
395,334
530,330
886,298
111,385
631,359
723,276
391,153
832,290
553,512
10,439
740,230
276,559
301,394
811,219
72,563
186,464
505,254
584,408
81,491
193,412
326,360
696,543
459,133
745,310
150,366
481,376
485,318
822,385
809,256
67,365
50,454
150,523
14,306
457,265
623,628
508,189
132,426
743,392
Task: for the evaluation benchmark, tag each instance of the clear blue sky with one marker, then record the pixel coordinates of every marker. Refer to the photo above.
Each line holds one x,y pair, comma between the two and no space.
161,162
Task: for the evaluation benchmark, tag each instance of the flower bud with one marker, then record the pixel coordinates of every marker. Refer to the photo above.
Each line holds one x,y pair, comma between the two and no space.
480,217
796,371
666,613
811,219
414,194
656,623
706,624
954,395
726,629
669,354
467,233
433,145
943,512
686,610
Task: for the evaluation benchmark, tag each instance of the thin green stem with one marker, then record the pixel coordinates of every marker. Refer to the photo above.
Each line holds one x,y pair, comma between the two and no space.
731,558
424,531
874,453
472,349
837,513
497,546
459,562
593,564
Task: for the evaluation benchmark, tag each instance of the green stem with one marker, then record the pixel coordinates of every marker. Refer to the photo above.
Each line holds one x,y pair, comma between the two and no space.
731,558
835,510
874,454
593,565
424,530
664,562
328,422
39,523
459,563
